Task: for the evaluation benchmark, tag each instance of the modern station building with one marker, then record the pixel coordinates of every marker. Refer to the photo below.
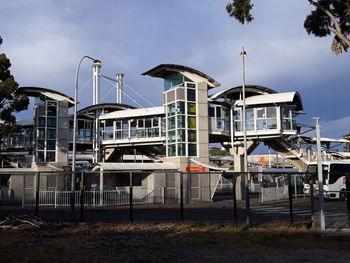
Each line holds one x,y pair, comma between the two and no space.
172,137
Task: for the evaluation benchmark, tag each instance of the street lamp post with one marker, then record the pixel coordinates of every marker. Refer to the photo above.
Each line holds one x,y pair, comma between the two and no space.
75,124
245,154
320,173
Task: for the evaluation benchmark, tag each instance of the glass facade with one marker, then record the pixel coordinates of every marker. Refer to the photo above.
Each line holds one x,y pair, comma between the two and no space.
173,80
258,119
45,127
221,117
134,128
288,118
181,119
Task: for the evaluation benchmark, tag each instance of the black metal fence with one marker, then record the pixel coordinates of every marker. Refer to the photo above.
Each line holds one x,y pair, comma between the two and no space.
158,196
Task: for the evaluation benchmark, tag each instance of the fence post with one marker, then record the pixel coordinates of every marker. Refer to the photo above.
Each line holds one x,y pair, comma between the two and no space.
234,179
163,189
55,197
37,194
247,199
290,194
209,175
181,198
23,191
72,197
130,199
311,182
82,196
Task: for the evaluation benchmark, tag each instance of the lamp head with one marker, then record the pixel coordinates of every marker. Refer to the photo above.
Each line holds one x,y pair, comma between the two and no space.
243,54
96,61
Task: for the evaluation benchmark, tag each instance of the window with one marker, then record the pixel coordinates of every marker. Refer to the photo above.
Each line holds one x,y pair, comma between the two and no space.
51,122
191,108
288,118
211,111
192,136
180,116
192,122
191,95
181,149
192,149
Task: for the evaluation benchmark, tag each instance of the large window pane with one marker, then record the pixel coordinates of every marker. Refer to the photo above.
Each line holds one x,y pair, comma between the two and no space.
181,135
40,144
191,108
180,107
260,113
171,150
250,114
181,149
237,115
181,122
148,123
271,123
51,145
171,123
40,157
192,136
41,122
191,94
261,124
41,133
51,111
218,112
51,122
50,156
51,133
250,125
171,137
211,112
192,123
171,109
192,149
271,112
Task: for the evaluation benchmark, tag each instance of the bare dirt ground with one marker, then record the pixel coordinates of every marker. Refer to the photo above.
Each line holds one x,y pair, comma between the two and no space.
143,243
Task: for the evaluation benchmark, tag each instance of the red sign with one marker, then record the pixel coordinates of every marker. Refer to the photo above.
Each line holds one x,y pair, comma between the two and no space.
195,169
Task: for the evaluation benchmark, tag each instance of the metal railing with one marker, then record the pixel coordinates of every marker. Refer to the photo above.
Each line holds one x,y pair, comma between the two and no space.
93,198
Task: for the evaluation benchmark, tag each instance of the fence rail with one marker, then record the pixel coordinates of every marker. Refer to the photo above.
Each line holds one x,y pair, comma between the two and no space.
93,198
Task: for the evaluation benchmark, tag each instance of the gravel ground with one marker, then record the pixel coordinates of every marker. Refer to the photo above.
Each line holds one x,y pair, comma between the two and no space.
143,243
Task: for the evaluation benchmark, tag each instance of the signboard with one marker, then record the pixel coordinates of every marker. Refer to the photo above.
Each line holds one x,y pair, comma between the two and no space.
195,169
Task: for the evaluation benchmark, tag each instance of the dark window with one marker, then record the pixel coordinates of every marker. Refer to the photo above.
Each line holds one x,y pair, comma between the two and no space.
211,112
337,171
51,111
191,95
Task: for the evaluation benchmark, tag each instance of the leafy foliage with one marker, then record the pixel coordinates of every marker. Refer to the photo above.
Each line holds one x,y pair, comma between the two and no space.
329,17
10,100
240,9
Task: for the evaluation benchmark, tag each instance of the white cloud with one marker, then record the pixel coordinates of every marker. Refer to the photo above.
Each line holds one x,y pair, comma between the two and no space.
335,128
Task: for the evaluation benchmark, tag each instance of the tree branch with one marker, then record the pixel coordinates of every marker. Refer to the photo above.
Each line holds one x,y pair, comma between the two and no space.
337,31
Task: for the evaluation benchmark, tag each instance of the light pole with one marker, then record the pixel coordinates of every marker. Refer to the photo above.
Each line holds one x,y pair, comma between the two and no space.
75,120
245,154
320,173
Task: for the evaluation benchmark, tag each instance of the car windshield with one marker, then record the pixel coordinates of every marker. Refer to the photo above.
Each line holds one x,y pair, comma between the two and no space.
312,168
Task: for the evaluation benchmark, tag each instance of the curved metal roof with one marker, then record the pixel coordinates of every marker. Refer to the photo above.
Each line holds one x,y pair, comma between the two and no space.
133,113
53,94
109,107
234,93
276,98
162,70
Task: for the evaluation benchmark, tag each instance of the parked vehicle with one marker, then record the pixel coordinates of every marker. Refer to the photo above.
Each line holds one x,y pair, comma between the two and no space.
334,178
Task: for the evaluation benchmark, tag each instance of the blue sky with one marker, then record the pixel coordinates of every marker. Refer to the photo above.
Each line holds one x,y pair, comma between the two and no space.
46,39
